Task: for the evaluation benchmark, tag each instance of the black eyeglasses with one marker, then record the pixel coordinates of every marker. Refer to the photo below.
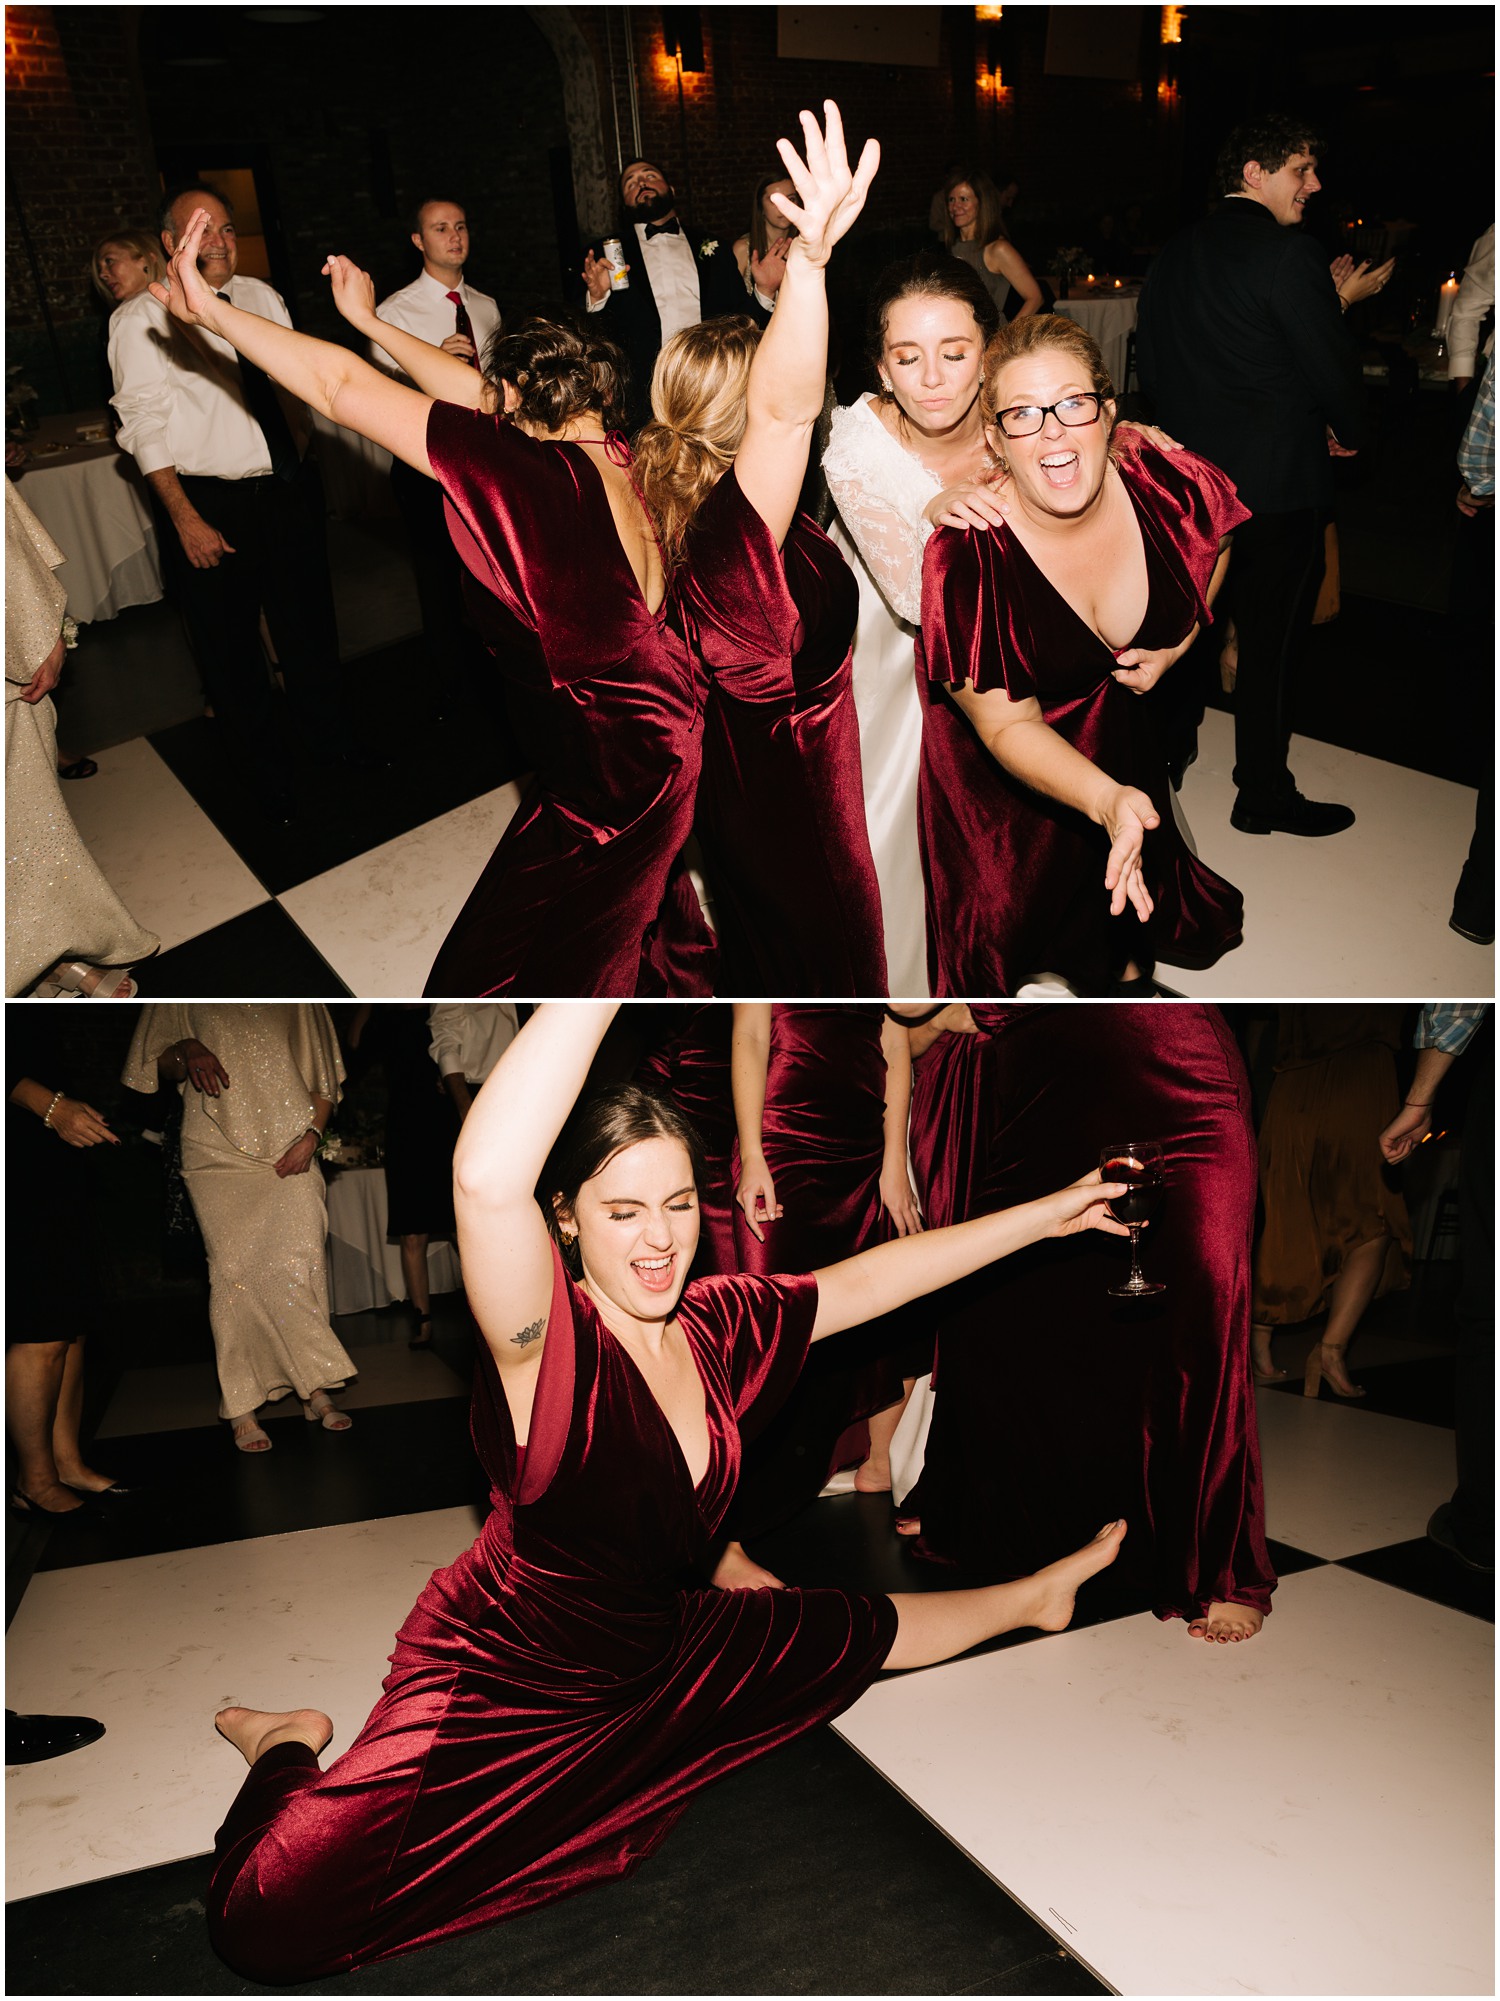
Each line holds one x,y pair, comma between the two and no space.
1024,420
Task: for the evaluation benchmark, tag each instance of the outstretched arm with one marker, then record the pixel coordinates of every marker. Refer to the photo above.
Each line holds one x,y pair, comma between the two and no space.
501,1151
1017,737
327,378
785,395
881,1279
445,376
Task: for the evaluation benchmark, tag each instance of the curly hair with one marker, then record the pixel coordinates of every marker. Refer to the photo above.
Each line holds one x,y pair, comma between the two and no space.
138,243
559,371
930,274
697,423
1272,137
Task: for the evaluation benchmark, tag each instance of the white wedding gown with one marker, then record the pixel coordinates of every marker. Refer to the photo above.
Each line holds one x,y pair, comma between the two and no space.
880,491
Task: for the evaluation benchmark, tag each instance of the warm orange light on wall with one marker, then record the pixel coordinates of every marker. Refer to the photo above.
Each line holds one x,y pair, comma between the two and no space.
990,13
1171,23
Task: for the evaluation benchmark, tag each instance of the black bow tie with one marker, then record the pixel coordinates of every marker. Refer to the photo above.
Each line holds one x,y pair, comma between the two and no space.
672,228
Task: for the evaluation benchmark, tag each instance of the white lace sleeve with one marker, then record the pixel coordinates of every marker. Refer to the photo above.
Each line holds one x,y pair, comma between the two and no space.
880,491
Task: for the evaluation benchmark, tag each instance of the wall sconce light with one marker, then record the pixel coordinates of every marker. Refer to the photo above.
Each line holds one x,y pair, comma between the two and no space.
682,31
990,13
1171,24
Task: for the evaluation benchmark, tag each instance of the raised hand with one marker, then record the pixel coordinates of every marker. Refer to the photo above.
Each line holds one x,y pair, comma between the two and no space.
767,272
353,290
187,295
830,196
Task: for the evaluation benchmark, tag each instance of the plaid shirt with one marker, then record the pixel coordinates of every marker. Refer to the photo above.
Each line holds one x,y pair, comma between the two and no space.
1476,455
1449,1025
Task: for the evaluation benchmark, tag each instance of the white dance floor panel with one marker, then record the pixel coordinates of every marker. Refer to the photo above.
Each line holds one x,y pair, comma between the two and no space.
154,1645
1311,1813
1340,1481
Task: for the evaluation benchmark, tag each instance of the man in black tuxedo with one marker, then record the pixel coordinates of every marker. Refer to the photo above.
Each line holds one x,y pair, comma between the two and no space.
677,278
1243,353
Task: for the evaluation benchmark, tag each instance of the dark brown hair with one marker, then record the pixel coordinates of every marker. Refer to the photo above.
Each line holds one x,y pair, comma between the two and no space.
603,1124
929,275
559,370
1271,138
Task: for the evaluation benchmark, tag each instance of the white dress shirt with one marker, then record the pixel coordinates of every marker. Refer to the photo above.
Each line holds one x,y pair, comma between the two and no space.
423,308
469,1038
179,392
1476,295
669,263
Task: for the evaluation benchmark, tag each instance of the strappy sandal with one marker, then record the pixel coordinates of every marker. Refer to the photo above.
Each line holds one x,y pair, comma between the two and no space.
318,1409
73,979
81,767
248,1436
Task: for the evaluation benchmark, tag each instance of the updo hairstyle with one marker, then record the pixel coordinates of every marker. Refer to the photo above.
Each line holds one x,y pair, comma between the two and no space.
559,370
604,1123
697,424
930,274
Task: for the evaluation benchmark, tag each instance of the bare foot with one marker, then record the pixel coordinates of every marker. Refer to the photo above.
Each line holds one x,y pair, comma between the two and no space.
910,1525
874,1476
1225,1623
253,1732
735,1571
1057,1585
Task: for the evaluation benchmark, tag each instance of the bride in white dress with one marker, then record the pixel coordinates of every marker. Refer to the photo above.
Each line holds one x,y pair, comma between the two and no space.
897,464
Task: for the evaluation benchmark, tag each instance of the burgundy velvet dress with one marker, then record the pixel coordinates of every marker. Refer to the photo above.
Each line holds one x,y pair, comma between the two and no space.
823,1133
690,1066
585,893
1015,882
1058,1408
781,804
558,1694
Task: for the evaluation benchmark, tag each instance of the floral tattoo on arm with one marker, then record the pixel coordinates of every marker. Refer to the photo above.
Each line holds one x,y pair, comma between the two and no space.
529,1334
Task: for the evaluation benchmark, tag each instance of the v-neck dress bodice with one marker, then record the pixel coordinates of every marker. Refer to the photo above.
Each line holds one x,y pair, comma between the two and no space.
1015,881
559,1692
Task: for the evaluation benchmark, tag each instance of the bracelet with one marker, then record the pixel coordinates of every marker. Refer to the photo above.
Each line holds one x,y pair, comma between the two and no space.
316,1131
47,1115
1416,1104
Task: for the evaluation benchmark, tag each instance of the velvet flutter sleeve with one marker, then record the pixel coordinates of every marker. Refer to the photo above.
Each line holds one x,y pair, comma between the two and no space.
1192,504
531,521
745,622
974,630
757,1330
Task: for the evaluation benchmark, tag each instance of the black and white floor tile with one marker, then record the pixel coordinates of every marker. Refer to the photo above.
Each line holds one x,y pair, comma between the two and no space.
1109,1808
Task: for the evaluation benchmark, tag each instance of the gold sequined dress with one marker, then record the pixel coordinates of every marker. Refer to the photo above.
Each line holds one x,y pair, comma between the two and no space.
57,904
265,1235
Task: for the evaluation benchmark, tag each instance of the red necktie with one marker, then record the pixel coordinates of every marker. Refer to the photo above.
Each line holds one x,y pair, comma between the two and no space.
462,325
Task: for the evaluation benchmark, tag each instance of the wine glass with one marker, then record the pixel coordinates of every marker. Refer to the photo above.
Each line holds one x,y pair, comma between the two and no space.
1138,1163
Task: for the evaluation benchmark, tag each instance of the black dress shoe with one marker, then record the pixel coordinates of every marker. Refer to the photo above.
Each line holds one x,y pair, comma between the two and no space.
1440,1531
1290,814
1477,931
117,1490
29,1739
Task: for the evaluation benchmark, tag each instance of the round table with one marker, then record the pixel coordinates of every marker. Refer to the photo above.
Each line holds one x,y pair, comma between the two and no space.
1108,315
92,502
364,1271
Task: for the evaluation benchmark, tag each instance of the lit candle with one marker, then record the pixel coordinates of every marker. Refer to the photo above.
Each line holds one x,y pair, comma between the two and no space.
1447,293
1117,284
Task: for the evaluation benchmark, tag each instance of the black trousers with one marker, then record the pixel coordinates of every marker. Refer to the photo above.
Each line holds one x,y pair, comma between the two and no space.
453,647
277,530
1471,619
1473,1519
1274,576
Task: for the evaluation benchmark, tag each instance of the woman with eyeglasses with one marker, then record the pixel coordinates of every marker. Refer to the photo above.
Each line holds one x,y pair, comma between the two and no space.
1048,843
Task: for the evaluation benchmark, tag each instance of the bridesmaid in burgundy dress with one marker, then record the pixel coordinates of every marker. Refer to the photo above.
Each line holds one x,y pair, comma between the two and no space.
1040,774
771,606
558,1695
1083,1395
585,893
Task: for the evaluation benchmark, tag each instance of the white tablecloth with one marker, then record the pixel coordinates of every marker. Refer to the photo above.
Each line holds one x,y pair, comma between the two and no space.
92,502
364,1271
1110,321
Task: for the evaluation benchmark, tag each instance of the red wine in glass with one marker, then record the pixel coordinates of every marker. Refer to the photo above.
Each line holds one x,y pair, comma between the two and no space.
1137,1163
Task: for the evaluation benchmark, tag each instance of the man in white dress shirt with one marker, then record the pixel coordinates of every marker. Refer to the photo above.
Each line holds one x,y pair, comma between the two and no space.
468,1040
677,277
438,306
242,519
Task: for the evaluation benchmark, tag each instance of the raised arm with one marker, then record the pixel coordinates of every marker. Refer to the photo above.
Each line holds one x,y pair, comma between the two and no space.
785,395
446,377
879,1280
329,379
1017,736
749,1060
501,1151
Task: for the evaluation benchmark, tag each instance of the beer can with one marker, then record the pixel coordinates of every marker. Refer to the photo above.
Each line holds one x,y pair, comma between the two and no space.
614,257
